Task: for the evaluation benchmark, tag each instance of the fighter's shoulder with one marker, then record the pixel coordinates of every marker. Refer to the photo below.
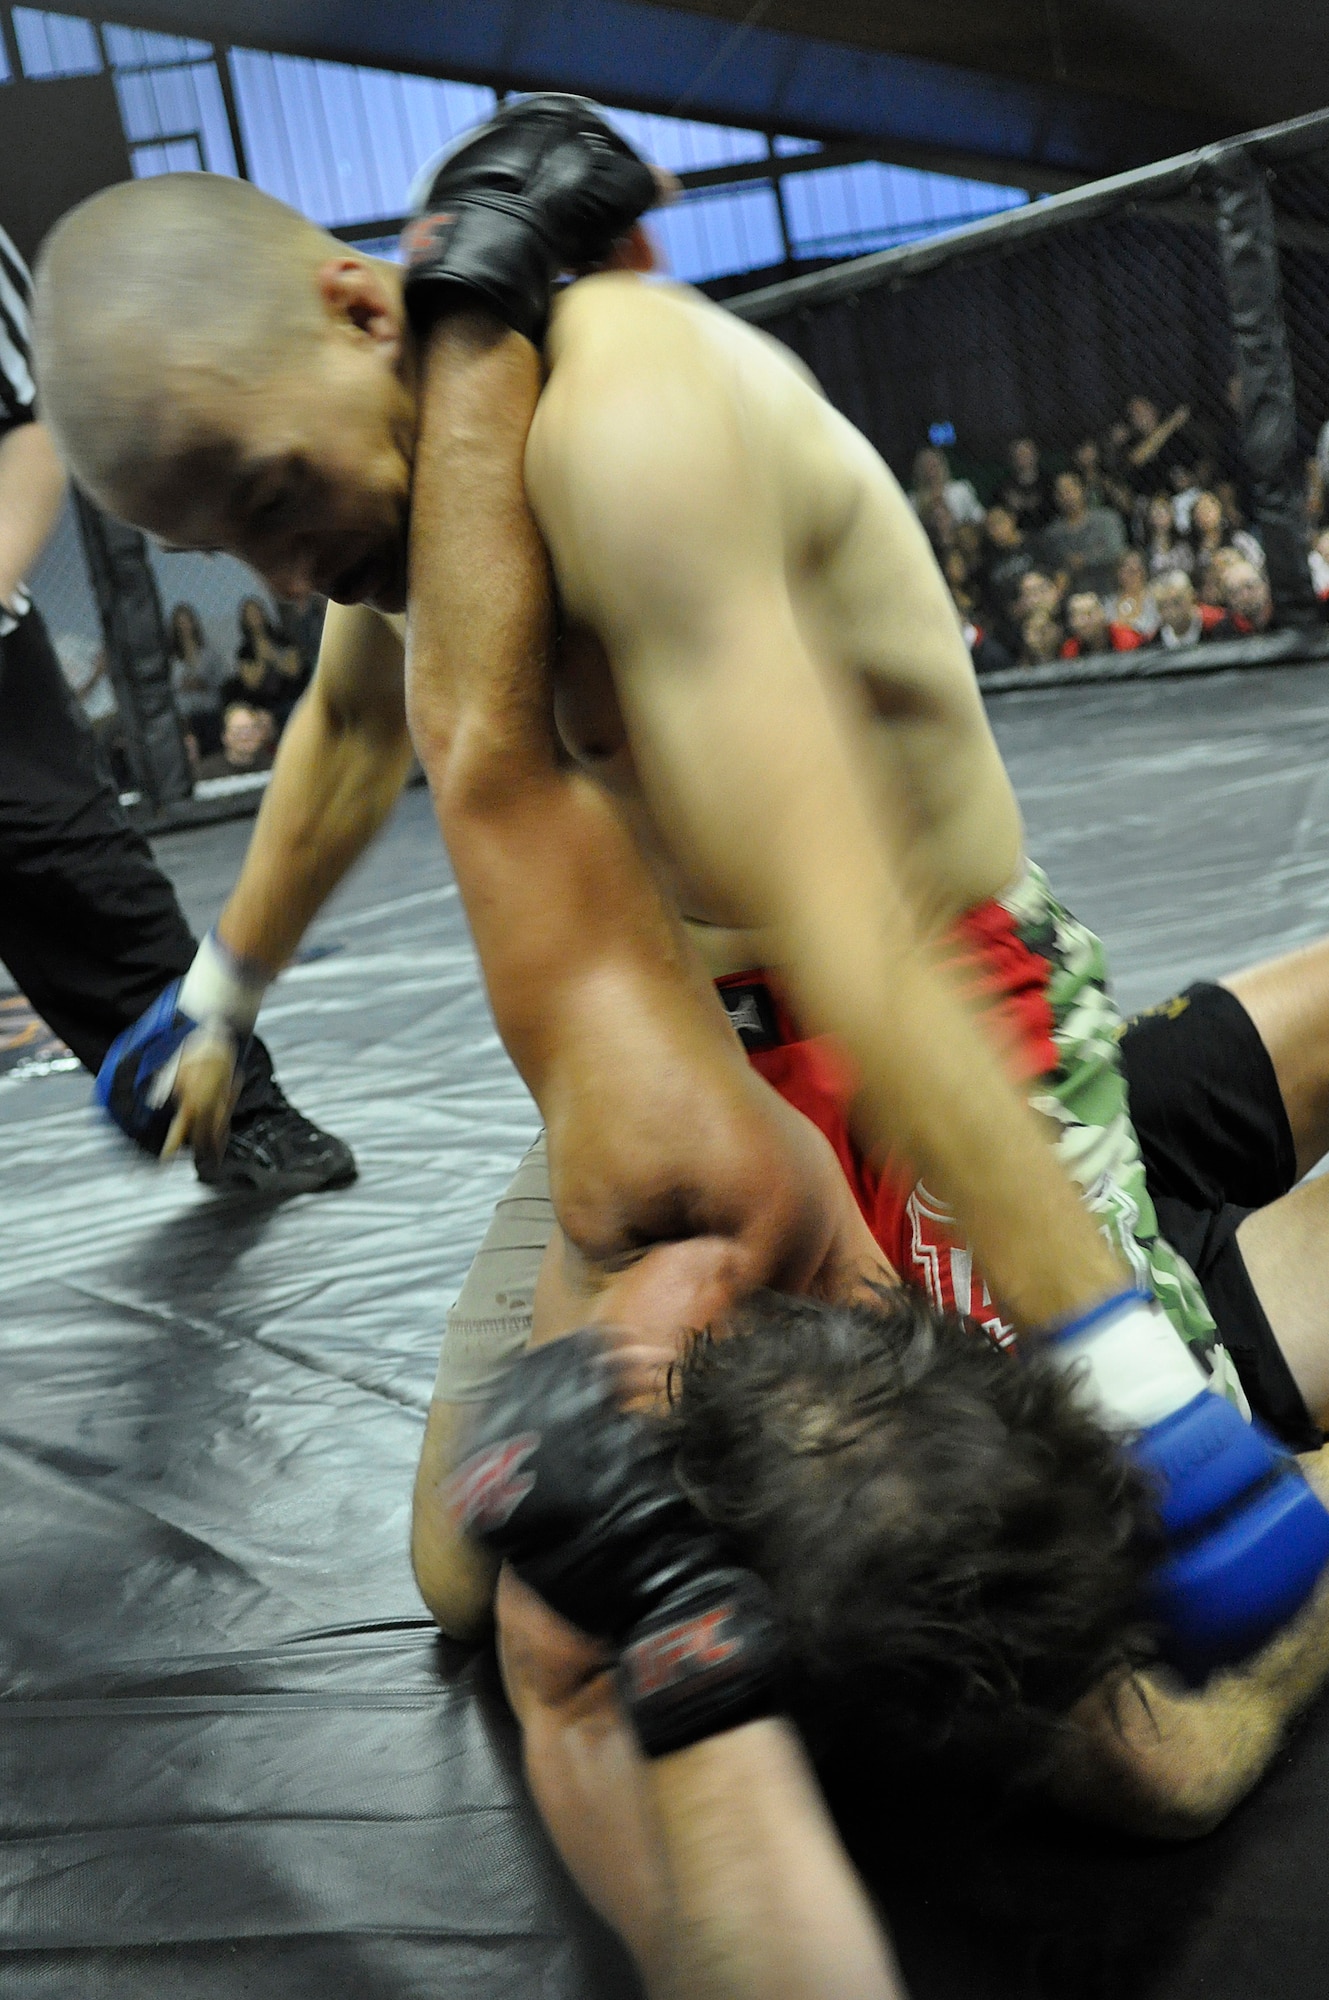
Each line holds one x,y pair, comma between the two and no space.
641,403
603,317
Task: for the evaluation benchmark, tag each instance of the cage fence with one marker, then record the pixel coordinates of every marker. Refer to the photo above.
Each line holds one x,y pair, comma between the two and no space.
1189,300
1192,296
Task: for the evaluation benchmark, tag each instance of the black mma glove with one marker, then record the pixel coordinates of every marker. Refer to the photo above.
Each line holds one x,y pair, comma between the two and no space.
547,186
581,1499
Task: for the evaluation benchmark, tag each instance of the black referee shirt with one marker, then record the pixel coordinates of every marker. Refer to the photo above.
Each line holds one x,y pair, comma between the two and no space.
18,396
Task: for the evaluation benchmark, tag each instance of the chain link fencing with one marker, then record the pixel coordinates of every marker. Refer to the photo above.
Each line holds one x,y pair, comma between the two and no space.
1111,409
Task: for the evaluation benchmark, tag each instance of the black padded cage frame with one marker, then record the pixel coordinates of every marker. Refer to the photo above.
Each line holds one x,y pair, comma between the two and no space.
1176,282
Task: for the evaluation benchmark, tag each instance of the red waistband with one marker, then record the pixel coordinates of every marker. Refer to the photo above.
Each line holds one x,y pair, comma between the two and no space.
993,964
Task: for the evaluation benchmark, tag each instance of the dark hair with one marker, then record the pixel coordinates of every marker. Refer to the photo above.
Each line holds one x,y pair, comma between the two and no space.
269,624
956,1547
189,612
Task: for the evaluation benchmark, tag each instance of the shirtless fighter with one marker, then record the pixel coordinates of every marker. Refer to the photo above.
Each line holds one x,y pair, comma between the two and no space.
758,660
466,783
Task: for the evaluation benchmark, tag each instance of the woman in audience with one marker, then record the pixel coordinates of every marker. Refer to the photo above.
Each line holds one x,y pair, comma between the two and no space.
1134,603
262,676
197,674
1041,638
1164,550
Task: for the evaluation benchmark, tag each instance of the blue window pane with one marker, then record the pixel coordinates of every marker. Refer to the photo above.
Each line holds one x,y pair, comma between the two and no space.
4,62
684,146
135,48
178,156
55,44
163,103
786,146
844,211
714,235
344,144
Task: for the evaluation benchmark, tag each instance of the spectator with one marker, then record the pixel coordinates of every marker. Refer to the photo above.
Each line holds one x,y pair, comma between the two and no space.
301,626
941,527
1087,460
1250,608
1024,494
247,742
933,482
197,674
1163,550
257,681
1086,543
1142,449
1207,528
956,571
1040,638
1090,630
1186,490
1037,592
1181,621
1134,603
1006,558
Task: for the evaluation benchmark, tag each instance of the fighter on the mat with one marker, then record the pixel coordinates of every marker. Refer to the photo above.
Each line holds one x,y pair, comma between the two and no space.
463,785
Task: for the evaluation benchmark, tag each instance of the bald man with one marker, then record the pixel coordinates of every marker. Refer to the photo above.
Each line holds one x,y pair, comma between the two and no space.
758,660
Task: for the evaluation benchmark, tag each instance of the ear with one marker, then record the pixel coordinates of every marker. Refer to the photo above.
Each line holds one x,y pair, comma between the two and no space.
357,293
637,251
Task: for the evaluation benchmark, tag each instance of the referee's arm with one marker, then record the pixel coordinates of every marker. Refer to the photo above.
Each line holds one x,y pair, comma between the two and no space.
32,487
32,482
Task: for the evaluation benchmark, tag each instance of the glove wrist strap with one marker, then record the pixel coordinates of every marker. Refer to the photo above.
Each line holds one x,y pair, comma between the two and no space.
1133,1368
478,253
219,986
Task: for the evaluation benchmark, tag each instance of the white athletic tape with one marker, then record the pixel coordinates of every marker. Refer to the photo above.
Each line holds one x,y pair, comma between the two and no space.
220,986
1131,1366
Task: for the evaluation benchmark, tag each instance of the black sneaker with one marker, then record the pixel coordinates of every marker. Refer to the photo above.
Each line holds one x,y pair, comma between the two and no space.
278,1151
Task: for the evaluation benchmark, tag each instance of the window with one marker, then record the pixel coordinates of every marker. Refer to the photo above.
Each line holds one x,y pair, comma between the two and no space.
683,146
714,234
341,143
55,44
171,98
845,211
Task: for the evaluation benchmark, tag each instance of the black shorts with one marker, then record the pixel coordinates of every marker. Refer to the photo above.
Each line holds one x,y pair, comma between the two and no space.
1216,1144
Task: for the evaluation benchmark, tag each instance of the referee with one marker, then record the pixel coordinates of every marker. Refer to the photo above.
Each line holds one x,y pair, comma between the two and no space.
89,926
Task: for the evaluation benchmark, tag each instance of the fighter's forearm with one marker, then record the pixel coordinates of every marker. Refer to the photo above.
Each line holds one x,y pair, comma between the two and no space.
32,489
808,855
935,1095
333,784
763,1901
481,605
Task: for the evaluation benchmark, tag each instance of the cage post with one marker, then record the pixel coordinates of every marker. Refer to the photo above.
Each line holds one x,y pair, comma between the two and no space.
137,653
1248,246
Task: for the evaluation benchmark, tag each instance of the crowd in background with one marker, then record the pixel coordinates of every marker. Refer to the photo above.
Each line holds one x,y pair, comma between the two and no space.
232,705
1136,539
233,712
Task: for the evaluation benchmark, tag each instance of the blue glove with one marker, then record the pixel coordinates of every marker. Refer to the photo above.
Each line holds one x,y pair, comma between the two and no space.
1247,1538
210,1011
